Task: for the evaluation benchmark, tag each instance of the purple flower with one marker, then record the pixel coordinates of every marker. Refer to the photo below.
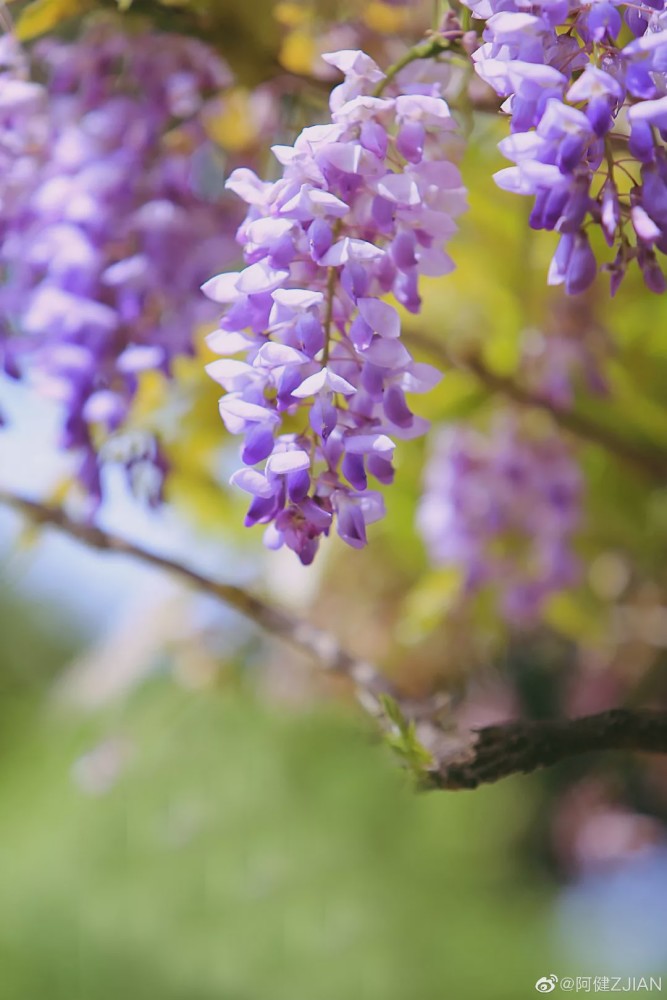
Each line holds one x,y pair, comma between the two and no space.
364,207
109,234
503,508
570,88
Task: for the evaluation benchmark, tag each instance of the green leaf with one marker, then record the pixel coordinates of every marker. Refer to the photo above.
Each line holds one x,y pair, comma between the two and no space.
404,741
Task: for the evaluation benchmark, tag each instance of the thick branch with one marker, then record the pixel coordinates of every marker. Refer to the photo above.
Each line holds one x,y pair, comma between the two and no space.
301,635
520,747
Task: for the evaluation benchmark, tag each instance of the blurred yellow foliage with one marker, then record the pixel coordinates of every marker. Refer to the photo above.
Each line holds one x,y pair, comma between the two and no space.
434,595
233,125
384,19
45,15
573,616
298,52
292,15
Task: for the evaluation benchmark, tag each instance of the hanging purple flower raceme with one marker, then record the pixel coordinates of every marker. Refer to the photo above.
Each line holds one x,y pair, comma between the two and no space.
22,125
588,124
115,230
363,208
23,132
503,507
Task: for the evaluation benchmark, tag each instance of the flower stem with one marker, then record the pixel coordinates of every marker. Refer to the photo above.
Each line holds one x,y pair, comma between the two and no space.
428,49
328,315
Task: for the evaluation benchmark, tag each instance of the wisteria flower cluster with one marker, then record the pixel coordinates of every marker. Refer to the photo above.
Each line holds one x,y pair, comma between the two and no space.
503,508
23,133
109,235
364,207
554,365
586,87
22,128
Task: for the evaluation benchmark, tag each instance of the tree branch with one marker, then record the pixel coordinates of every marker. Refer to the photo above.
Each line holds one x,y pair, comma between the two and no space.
307,638
464,761
651,463
520,747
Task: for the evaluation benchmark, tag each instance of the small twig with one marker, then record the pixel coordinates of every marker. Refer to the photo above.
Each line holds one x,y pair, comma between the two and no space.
520,747
650,462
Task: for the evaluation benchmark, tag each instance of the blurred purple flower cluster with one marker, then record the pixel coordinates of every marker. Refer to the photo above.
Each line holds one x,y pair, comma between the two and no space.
503,507
364,207
586,88
554,365
108,229
23,138
23,128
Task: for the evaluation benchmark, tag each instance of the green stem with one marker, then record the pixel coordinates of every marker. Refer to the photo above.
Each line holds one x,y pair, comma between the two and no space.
429,49
328,315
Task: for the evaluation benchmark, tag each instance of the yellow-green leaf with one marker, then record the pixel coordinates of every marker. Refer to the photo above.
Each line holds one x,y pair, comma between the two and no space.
45,15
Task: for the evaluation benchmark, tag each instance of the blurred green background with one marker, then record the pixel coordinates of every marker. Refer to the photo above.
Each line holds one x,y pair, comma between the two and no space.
219,848
191,839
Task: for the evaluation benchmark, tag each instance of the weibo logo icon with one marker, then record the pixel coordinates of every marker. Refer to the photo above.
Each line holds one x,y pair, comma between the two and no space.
547,984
